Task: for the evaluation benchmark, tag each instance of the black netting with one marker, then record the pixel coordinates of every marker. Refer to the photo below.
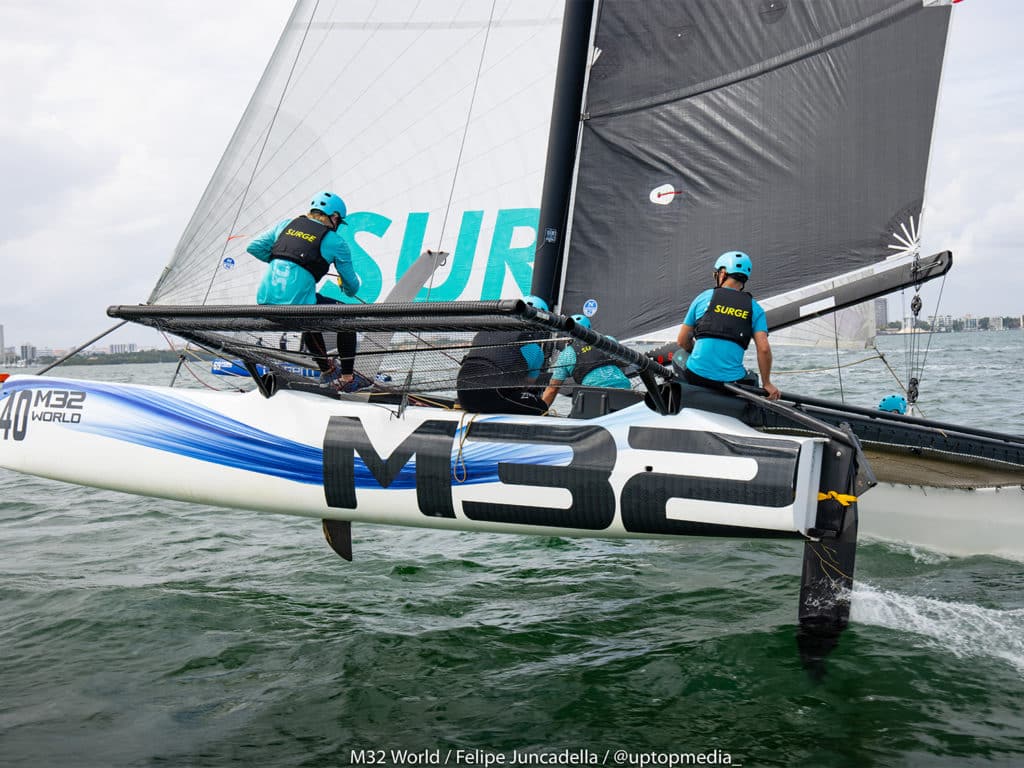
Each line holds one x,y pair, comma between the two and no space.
402,348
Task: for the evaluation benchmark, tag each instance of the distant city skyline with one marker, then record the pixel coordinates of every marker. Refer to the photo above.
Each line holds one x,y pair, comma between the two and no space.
110,345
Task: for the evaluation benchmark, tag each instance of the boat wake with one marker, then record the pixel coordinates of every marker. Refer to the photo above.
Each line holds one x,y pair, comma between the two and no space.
963,629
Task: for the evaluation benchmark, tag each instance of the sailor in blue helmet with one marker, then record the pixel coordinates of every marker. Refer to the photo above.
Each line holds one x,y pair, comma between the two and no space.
499,373
300,251
720,325
587,365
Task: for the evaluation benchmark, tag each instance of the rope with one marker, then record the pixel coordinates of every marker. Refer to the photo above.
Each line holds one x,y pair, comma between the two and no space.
830,368
845,499
461,477
182,361
421,400
819,548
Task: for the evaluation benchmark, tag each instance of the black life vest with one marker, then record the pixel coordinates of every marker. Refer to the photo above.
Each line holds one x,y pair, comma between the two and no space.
588,359
300,243
729,316
499,351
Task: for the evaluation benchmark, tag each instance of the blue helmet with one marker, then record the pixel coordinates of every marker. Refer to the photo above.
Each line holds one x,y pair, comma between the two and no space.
893,404
736,264
536,302
329,203
582,320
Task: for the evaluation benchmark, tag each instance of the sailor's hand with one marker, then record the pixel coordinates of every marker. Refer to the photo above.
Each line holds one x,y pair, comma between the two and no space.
772,391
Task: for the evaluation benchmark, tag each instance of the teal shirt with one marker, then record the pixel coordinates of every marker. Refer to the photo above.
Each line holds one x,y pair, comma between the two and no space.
534,357
718,359
288,283
605,376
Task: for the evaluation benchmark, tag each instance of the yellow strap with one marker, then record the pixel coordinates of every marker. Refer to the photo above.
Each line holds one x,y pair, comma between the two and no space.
843,498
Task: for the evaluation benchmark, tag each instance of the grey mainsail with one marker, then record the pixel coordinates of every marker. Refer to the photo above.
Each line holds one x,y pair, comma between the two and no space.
797,131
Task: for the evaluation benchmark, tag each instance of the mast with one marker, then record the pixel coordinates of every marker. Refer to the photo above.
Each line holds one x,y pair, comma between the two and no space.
563,137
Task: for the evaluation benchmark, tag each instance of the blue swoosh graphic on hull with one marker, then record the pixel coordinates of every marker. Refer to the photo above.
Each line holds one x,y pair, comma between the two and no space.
176,425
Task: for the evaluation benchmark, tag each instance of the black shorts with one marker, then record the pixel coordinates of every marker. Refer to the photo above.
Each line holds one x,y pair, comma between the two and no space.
513,400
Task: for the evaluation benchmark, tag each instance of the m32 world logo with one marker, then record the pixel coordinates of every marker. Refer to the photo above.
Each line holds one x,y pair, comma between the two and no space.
19,409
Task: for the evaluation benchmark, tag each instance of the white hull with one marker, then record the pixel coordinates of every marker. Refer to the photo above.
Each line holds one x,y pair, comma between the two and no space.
305,455
954,521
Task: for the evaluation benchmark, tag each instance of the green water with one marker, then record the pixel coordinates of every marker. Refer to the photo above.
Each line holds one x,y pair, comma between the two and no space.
143,632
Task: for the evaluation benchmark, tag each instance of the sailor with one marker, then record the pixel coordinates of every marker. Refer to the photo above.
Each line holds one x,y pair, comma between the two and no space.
586,364
499,373
300,251
719,325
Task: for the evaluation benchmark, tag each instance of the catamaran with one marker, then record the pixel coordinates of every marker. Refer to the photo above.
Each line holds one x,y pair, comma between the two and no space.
797,131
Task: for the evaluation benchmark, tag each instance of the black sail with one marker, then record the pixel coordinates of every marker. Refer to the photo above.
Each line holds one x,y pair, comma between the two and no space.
795,130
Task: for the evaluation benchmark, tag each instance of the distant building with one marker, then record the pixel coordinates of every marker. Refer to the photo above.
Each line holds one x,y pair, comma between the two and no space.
28,353
122,349
995,323
881,313
3,349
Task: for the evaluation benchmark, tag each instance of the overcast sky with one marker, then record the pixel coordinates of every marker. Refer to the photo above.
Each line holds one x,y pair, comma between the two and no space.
116,113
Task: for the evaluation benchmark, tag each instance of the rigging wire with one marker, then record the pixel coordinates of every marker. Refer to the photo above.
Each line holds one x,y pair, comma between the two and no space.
830,368
458,159
256,164
465,133
839,367
79,348
938,302
916,357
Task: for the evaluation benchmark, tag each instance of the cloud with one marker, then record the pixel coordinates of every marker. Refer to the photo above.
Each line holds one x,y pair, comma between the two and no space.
115,117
